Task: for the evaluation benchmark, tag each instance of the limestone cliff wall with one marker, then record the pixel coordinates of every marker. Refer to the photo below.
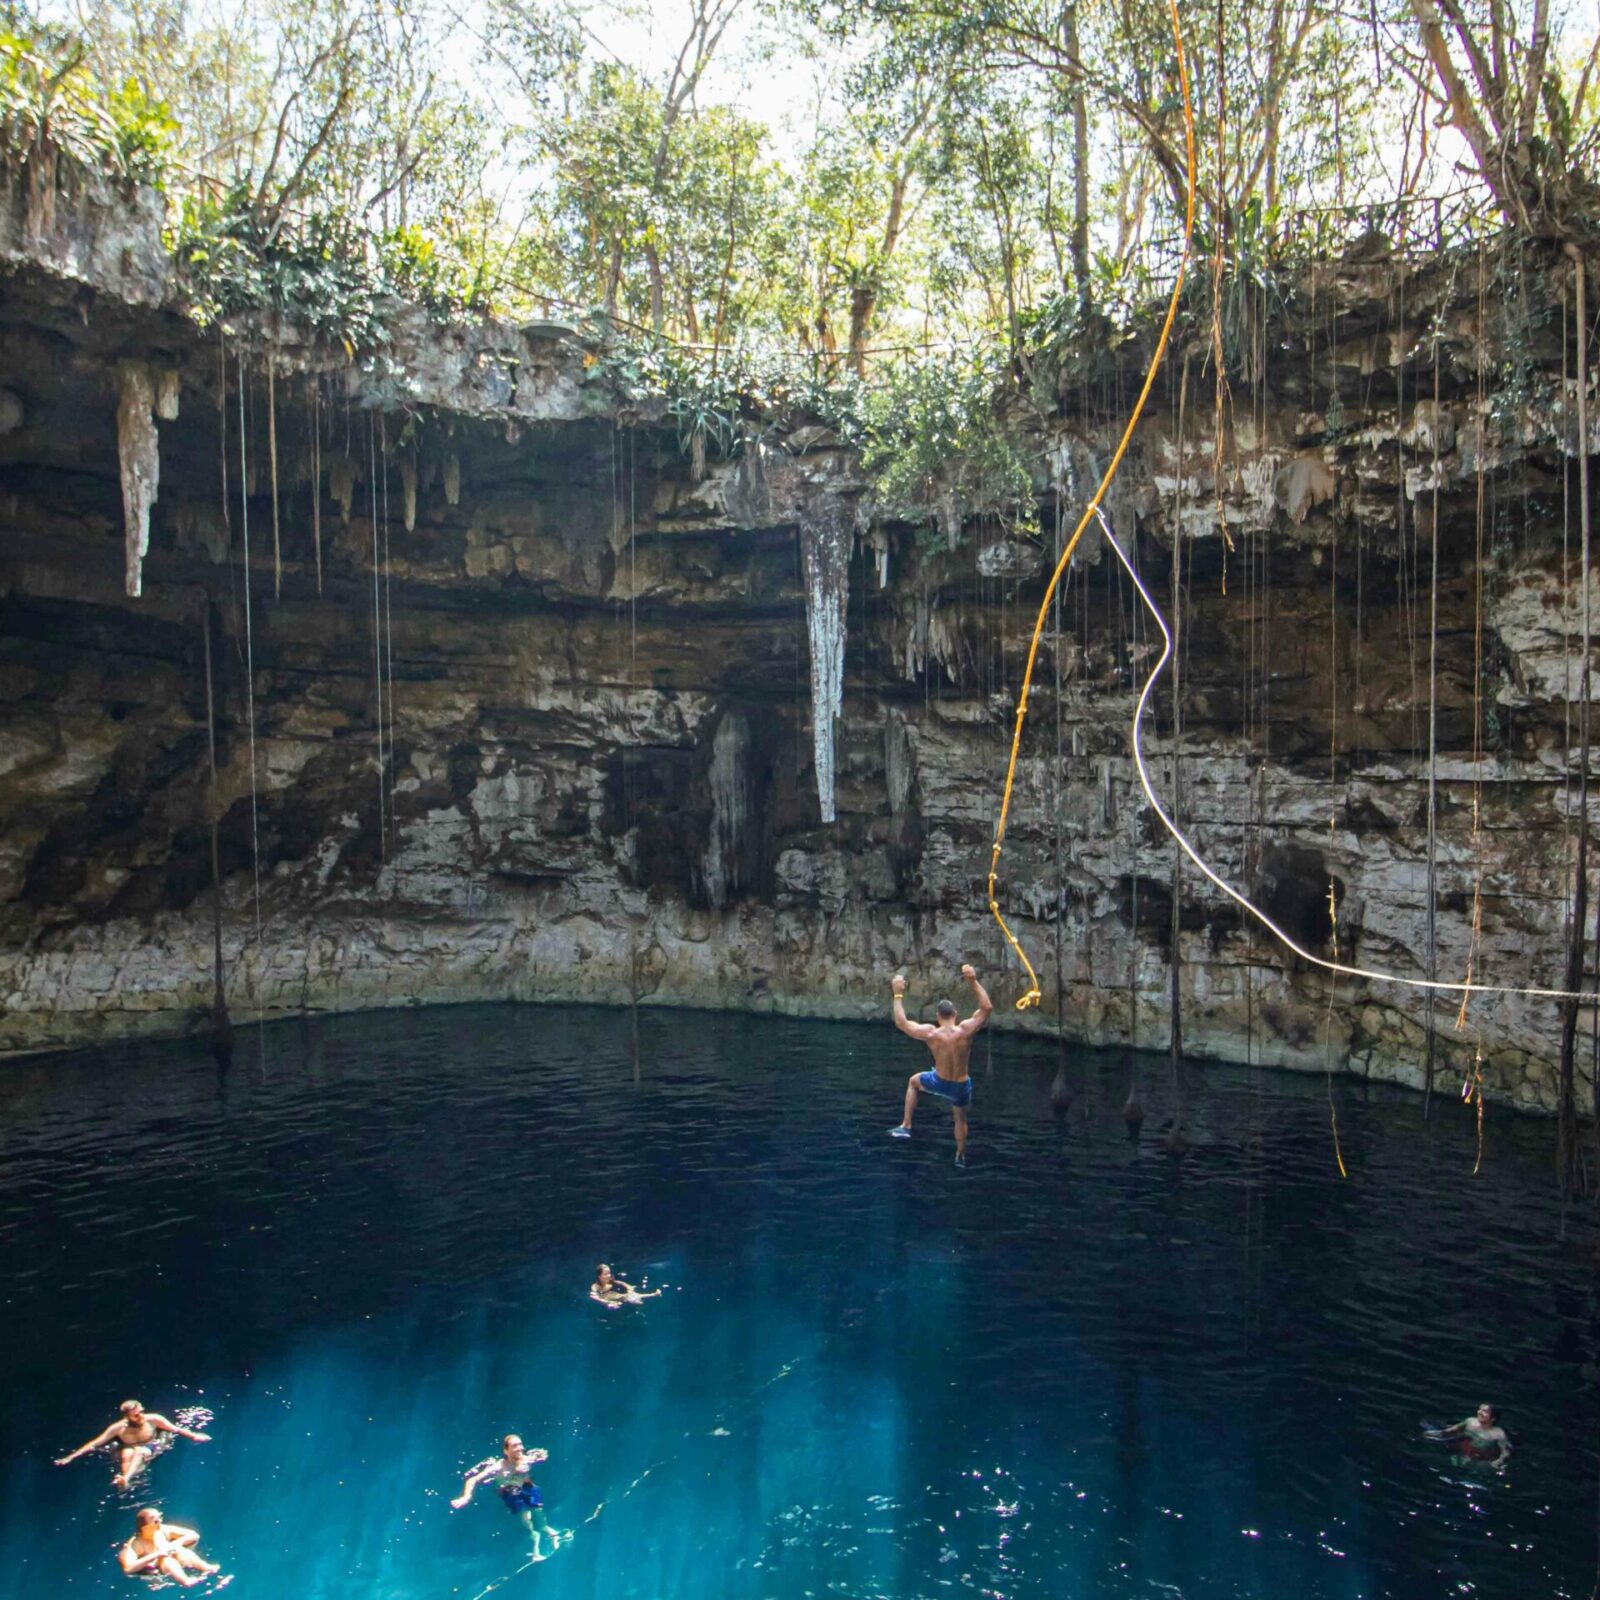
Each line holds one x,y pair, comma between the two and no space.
544,725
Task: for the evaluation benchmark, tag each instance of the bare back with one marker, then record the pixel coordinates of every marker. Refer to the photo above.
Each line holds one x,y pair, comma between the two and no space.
950,1044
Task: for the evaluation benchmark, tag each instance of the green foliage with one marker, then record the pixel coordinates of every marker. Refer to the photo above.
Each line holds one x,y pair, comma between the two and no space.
659,216
313,271
933,442
421,268
1007,173
51,107
938,450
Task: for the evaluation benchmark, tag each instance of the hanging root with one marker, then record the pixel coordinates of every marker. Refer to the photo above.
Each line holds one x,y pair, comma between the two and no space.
272,454
1032,996
1327,1033
316,476
1472,1090
1338,968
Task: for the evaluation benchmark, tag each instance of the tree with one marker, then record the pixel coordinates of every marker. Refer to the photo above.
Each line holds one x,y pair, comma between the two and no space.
1502,90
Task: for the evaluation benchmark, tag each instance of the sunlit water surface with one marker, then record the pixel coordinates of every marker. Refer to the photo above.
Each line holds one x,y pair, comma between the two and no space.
1081,1368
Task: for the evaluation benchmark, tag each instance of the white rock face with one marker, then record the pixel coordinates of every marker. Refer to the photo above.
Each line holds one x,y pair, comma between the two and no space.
623,762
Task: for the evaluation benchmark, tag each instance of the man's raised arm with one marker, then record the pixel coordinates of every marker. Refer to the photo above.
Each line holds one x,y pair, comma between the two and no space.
916,1030
985,1006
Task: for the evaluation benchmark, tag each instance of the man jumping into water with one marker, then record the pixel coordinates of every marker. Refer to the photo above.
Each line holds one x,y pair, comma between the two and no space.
519,1494
134,1435
950,1043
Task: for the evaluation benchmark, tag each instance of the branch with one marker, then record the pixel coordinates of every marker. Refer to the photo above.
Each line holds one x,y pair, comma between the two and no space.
394,183
1462,110
1489,94
277,150
1582,91
1533,73
339,42
324,133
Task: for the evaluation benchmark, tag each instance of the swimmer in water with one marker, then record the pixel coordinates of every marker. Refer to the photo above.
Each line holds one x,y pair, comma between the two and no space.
519,1494
163,1549
612,1292
950,1043
1479,1438
134,1435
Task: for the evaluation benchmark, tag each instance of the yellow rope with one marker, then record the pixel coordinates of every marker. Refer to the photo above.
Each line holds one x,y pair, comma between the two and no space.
1032,997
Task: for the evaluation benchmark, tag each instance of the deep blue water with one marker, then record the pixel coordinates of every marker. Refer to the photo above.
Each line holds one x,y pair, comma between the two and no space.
1082,1368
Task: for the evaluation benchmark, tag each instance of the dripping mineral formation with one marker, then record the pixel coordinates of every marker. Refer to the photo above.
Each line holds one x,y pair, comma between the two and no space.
730,734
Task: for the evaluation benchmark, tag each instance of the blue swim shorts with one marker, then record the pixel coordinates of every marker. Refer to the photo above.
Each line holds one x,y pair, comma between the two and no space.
520,1497
958,1094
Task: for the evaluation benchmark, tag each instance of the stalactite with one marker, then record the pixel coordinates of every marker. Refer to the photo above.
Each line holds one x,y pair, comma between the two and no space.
408,490
899,764
272,468
342,479
730,809
452,479
826,541
139,464
879,539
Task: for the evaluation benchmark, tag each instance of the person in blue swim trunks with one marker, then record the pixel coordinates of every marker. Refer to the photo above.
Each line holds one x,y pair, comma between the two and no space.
950,1044
519,1494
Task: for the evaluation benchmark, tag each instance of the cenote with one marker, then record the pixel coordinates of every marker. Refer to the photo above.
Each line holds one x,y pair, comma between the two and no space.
1083,1367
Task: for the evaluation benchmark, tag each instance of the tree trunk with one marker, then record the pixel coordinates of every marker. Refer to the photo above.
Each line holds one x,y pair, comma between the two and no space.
658,292
864,298
1080,166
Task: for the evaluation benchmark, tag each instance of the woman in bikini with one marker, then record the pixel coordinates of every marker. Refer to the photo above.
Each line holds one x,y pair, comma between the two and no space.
613,1292
161,1549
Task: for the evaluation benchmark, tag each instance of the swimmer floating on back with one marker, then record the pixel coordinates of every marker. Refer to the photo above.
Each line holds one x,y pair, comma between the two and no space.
519,1494
134,1435
1478,1438
613,1292
162,1549
950,1043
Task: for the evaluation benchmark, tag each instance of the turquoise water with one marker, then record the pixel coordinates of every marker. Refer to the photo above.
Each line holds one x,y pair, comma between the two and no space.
1082,1368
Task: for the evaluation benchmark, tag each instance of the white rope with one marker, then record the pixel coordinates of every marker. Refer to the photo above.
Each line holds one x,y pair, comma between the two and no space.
1338,968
